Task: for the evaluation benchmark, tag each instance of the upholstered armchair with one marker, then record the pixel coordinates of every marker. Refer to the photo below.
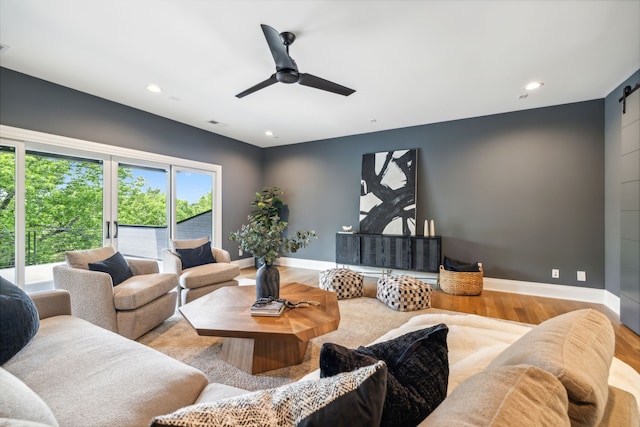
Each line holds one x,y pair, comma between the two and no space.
131,308
201,268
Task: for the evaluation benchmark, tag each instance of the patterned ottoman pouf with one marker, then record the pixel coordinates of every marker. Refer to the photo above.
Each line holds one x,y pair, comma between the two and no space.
344,282
404,293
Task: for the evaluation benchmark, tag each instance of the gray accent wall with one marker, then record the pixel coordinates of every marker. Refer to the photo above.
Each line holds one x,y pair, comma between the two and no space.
521,192
30,103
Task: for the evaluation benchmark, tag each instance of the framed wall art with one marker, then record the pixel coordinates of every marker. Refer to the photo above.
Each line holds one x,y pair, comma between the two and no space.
388,192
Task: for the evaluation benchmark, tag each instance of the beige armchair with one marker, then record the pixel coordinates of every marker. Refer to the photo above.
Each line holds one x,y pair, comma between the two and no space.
132,308
200,280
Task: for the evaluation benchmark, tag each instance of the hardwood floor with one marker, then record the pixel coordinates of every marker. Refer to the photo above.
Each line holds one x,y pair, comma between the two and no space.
501,305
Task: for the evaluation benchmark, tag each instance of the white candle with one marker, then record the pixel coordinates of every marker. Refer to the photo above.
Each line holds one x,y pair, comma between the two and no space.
426,228
432,229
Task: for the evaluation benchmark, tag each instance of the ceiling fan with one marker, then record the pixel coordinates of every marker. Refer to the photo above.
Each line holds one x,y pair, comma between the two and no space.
287,69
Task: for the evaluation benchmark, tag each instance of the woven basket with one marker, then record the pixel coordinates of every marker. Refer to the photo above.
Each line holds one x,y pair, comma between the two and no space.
460,282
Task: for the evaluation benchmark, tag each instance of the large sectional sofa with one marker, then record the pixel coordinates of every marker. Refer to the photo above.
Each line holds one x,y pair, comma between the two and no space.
73,373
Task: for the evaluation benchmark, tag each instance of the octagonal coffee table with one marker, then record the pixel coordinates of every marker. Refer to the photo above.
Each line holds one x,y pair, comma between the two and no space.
258,344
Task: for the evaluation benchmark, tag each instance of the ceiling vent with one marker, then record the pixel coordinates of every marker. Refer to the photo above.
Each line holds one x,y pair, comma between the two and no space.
217,123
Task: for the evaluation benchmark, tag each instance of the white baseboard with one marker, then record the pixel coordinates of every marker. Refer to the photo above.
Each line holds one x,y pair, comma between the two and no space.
612,302
306,263
244,262
547,290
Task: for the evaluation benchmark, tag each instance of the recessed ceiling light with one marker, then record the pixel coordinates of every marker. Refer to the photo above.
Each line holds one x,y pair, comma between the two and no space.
269,133
533,85
154,88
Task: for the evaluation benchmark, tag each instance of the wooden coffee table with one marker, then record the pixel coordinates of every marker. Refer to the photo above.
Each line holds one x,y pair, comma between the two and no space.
259,344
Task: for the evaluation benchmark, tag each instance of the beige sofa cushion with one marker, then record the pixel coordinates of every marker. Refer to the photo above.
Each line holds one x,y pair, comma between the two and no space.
81,259
89,376
139,290
576,347
20,406
521,395
208,274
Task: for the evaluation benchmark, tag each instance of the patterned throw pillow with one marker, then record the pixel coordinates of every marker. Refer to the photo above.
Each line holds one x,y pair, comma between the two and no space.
351,400
418,367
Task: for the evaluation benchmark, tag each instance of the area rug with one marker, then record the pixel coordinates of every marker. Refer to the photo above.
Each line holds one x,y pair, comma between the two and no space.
362,320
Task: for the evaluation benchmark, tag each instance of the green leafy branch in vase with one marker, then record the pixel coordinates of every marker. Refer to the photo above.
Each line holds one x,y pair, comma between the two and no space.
263,235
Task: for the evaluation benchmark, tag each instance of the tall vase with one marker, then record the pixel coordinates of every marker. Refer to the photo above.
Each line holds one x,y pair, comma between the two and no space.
267,282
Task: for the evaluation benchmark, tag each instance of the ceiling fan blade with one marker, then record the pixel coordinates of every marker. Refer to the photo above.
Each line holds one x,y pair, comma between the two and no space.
271,80
278,49
322,84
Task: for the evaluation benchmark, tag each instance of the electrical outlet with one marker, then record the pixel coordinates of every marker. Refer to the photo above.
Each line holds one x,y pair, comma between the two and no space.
582,276
555,273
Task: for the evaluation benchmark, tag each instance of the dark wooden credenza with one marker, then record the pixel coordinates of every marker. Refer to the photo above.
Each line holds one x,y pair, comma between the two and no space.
389,251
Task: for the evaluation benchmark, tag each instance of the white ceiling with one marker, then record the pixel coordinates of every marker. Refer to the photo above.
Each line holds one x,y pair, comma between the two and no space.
410,62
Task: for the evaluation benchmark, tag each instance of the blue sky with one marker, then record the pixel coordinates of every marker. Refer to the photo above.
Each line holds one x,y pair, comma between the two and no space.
190,186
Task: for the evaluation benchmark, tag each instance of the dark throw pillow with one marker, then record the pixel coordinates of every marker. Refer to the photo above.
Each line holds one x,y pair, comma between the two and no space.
19,320
418,372
352,399
116,266
196,256
451,264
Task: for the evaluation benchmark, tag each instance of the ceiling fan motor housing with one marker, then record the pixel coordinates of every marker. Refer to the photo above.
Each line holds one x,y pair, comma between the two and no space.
287,38
287,75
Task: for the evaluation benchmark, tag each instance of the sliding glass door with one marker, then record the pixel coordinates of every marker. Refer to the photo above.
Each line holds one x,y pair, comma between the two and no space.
49,203
63,209
194,204
58,194
140,227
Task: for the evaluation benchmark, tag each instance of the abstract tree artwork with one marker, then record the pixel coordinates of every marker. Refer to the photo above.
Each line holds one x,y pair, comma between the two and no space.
388,192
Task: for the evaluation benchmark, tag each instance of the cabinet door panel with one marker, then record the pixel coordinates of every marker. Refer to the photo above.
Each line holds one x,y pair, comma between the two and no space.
371,250
396,252
347,249
426,254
